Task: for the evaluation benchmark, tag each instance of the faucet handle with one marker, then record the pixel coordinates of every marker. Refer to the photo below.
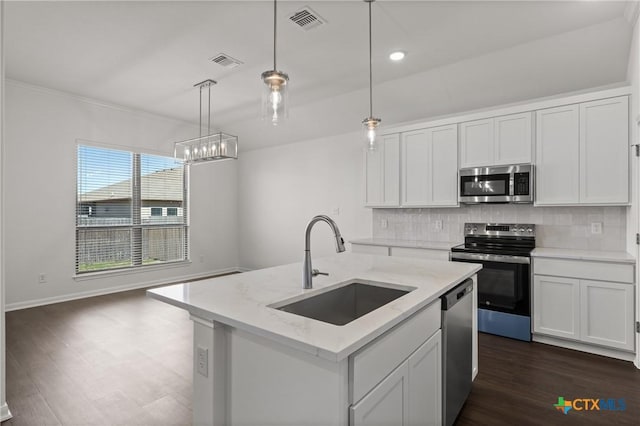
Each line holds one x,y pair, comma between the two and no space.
316,272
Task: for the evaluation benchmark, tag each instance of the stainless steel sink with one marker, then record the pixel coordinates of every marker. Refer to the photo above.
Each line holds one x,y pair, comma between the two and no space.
344,304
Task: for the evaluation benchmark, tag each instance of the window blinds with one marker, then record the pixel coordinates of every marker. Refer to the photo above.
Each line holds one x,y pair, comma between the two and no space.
131,210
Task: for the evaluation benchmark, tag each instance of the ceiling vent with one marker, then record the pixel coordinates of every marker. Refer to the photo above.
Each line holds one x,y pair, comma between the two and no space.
225,60
306,18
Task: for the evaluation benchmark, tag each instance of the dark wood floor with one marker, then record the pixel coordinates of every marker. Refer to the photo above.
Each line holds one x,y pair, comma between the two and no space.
125,359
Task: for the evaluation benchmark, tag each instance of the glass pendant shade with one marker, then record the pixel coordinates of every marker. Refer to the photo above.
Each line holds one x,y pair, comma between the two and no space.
275,96
371,128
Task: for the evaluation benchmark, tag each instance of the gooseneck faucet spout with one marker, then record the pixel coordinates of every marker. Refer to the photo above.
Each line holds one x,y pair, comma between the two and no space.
308,273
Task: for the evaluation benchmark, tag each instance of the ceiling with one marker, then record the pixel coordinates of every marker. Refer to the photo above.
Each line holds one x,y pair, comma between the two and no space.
461,55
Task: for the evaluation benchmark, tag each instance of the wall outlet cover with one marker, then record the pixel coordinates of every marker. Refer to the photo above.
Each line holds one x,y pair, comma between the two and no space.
596,227
202,361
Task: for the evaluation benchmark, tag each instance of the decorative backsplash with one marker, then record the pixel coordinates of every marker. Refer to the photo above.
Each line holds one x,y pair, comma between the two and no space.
561,227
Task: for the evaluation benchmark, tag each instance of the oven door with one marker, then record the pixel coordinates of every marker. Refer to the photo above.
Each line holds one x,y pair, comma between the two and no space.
503,282
487,188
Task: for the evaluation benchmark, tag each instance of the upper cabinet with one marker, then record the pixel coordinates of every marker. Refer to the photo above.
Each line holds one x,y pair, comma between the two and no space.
429,167
582,153
496,141
383,173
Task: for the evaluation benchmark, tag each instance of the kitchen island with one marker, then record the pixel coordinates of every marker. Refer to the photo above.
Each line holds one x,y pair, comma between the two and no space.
256,364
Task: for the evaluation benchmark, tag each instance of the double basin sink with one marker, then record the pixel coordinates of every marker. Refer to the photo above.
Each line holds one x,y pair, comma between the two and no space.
344,304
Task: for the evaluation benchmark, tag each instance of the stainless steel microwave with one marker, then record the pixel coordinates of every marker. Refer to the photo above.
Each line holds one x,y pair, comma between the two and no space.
501,184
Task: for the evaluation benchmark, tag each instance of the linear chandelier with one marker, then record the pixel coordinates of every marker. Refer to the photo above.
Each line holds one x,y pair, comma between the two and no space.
211,146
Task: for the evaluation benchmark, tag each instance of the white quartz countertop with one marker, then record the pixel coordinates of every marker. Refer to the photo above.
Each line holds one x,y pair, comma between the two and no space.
432,245
242,300
595,255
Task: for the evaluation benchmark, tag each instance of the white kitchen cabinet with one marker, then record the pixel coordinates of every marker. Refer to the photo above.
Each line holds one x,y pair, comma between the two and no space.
387,404
557,159
496,141
382,170
604,151
429,167
582,153
606,314
584,301
410,395
476,143
556,307
512,144
425,383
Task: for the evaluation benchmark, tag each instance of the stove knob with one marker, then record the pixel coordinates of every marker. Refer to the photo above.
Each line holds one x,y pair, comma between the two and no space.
475,228
521,229
530,230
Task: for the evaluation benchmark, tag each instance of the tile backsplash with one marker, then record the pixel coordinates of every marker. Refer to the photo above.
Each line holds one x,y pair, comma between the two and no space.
561,227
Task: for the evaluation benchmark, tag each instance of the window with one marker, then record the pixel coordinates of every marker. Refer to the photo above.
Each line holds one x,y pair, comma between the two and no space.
121,200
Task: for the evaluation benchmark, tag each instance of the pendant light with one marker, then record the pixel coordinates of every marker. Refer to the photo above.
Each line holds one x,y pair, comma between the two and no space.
371,124
211,146
274,99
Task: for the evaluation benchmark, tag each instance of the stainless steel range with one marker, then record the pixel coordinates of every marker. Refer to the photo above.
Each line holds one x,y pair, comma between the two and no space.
504,282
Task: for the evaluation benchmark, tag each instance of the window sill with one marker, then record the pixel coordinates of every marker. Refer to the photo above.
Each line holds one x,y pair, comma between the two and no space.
129,271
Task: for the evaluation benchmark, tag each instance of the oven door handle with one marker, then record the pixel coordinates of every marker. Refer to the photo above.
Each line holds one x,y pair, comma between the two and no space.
490,257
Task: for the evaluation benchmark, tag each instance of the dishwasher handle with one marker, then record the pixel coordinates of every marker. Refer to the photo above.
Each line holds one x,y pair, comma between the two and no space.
456,294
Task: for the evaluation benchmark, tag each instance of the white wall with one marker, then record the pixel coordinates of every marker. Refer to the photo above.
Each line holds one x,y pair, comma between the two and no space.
4,409
282,188
42,129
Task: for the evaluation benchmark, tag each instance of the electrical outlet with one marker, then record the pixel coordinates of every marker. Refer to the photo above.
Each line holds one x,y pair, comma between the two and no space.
596,227
203,361
384,223
336,211
42,278
201,258
438,225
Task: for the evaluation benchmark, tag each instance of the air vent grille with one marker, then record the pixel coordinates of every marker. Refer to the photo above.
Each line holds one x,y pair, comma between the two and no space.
225,60
307,19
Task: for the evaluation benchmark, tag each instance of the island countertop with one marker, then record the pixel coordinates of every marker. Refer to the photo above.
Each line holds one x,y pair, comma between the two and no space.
243,300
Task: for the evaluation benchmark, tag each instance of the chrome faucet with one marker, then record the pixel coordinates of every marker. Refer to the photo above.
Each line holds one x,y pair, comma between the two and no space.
307,272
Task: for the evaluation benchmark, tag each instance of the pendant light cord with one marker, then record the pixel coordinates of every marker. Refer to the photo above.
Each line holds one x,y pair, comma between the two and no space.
209,112
370,66
275,29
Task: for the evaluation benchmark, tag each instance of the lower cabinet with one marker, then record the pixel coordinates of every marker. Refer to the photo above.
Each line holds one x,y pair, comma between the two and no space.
556,308
410,395
584,310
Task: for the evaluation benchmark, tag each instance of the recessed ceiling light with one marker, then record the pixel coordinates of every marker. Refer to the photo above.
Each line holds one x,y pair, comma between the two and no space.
397,56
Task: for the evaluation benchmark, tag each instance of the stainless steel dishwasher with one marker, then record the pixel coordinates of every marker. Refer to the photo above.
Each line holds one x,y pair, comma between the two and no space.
457,311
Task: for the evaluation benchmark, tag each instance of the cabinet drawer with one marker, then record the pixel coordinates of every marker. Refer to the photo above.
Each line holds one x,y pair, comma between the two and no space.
374,362
420,253
361,248
604,271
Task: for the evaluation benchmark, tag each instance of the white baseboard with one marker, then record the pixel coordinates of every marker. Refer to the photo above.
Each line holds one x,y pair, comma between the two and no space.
243,269
100,292
5,414
611,353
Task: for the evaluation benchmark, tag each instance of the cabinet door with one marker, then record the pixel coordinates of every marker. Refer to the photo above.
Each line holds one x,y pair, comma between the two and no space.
604,151
386,404
556,306
443,166
383,173
416,173
425,383
476,143
557,156
606,313
513,139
